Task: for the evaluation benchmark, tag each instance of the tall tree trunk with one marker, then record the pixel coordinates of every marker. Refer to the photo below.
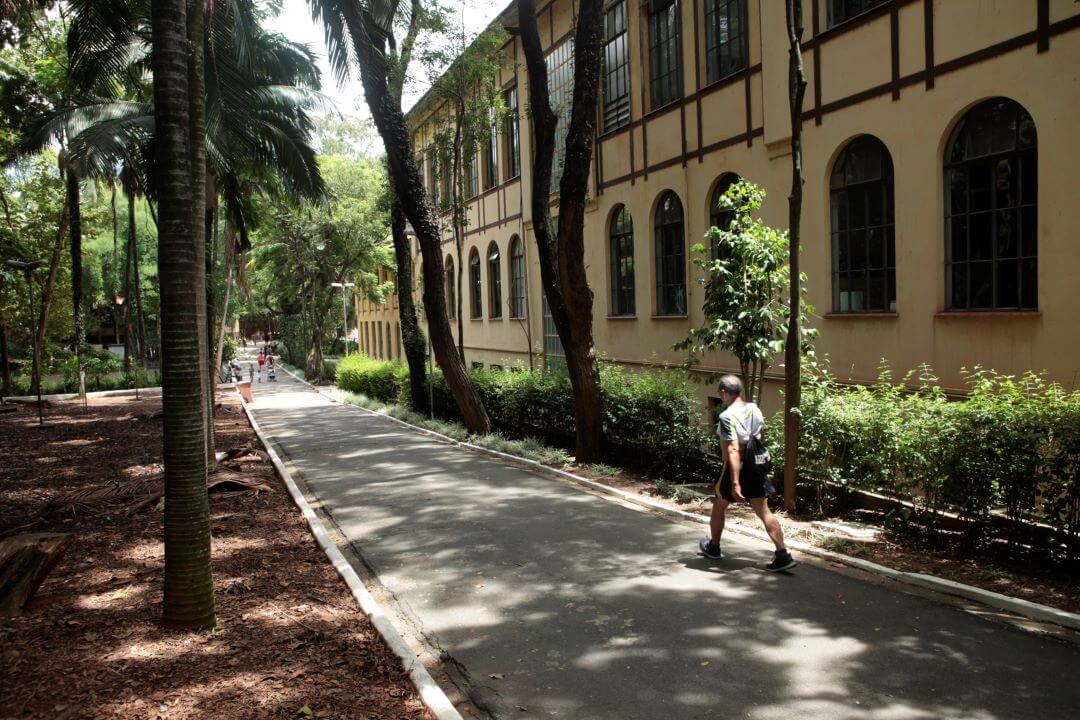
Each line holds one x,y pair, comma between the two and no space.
136,281
197,168
459,231
75,227
411,334
409,187
230,254
210,238
793,347
562,254
115,284
189,584
130,341
50,282
5,369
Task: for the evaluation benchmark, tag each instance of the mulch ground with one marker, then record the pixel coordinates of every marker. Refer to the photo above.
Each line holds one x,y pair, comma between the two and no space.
290,642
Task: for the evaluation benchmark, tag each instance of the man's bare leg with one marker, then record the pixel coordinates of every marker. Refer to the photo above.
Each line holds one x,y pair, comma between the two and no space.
772,524
716,519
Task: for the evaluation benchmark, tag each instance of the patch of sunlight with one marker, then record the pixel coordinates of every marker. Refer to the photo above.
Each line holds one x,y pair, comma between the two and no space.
112,598
816,661
603,659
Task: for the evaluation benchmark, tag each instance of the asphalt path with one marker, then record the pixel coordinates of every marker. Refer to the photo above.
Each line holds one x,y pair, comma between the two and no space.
557,603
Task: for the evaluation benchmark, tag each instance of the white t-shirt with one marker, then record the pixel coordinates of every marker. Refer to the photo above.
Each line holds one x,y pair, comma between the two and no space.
739,421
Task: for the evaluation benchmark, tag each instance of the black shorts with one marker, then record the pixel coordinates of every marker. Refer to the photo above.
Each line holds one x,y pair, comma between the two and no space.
751,488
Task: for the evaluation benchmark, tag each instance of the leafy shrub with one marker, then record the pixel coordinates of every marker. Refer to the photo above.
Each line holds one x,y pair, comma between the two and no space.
377,379
1010,448
229,349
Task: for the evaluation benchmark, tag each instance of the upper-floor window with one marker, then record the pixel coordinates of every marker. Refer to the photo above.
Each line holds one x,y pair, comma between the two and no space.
513,134
494,263
560,67
616,67
725,32
476,301
517,278
451,283
837,11
670,257
665,69
721,217
472,177
991,210
863,234
433,176
491,156
622,262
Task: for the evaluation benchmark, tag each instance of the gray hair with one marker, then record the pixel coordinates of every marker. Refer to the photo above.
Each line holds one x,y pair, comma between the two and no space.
731,384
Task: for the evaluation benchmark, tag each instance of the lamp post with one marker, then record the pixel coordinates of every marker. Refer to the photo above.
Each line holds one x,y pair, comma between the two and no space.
345,311
28,269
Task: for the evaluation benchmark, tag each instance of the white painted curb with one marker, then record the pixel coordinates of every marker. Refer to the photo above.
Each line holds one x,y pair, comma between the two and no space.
430,693
1025,608
148,391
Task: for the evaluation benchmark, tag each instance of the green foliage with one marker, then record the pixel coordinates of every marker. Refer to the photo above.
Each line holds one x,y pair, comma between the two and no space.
230,349
650,419
1010,448
746,290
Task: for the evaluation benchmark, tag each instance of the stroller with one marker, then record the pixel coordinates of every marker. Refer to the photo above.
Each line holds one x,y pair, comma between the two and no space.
271,374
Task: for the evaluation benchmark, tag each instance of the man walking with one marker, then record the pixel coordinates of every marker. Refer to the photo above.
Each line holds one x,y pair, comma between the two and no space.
739,422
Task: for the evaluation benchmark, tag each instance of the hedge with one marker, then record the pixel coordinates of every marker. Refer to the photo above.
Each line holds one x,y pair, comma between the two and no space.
651,419
1010,448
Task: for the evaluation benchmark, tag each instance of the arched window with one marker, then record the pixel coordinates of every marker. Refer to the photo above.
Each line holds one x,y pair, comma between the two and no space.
517,278
720,217
494,282
991,210
863,236
476,301
622,262
451,283
670,257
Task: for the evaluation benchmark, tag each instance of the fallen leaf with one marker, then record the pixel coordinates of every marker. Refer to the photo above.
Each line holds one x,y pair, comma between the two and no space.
305,711
497,676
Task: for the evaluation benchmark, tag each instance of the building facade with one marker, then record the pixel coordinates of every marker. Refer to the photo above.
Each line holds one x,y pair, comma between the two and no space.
941,209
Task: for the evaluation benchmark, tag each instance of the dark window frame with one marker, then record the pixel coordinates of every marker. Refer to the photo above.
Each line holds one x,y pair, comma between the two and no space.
476,286
863,228
616,74
491,154
472,177
621,255
979,226
838,12
670,240
494,269
724,57
560,66
665,60
512,133
517,278
720,218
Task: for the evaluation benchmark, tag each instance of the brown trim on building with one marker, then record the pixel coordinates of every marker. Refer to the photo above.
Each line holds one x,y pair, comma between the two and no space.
719,145
697,83
642,20
860,315
928,41
816,25
748,102
489,226
969,314
1042,26
894,43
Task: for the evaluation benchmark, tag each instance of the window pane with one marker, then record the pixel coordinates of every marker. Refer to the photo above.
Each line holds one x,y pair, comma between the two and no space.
1029,226
1005,230
958,238
982,285
1008,280
958,282
981,182
1029,285
982,238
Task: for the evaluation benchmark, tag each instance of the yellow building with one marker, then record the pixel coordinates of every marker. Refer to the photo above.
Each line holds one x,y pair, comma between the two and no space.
941,212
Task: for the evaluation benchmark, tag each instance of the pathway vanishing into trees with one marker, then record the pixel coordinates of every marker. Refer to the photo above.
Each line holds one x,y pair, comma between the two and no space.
558,603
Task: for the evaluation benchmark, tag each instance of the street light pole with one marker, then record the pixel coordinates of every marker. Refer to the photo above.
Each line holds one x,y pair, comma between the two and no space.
345,313
28,269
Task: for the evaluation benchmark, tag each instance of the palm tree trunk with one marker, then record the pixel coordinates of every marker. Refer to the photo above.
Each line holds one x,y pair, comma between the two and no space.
793,346
409,187
411,334
189,583
140,315
5,370
75,227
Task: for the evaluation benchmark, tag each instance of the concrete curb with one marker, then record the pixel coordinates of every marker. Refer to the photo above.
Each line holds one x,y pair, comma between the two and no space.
1024,608
433,696
148,391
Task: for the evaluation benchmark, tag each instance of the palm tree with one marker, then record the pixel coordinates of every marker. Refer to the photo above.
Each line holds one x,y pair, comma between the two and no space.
359,34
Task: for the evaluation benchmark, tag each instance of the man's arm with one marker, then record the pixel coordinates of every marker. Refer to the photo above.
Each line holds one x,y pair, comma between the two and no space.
734,458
